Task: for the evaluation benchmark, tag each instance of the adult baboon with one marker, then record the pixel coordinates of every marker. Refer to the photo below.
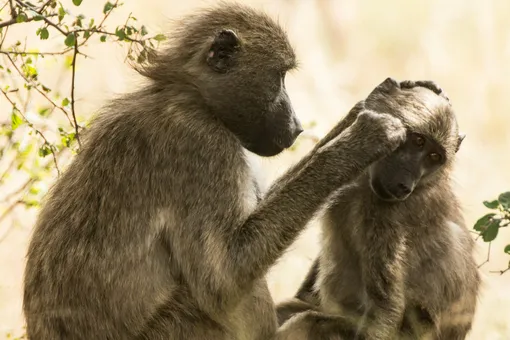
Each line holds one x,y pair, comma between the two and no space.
397,259
154,231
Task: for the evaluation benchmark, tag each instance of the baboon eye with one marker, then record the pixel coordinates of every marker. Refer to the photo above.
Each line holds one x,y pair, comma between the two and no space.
419,140
435,157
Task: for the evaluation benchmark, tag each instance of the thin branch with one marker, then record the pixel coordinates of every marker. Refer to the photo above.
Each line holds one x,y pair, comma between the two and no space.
501,272
36,131
45,18
19,190
34,53
73,84
46,4
39,90
488,256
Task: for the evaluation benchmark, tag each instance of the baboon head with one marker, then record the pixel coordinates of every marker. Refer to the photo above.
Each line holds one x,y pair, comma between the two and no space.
236,58
428,152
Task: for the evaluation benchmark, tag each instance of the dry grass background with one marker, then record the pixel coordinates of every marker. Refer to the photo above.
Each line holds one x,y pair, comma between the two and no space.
345,49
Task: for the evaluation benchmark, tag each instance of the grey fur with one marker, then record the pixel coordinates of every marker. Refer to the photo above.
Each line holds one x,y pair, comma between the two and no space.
154,231
393,270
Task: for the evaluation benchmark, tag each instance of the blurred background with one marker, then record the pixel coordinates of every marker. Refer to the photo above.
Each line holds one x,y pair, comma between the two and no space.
345,49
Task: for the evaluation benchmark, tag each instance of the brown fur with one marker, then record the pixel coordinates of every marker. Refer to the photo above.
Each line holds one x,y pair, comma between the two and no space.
401,270
154,231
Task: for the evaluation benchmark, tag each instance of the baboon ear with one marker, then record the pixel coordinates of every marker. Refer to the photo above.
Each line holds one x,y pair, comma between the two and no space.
221,53
460,138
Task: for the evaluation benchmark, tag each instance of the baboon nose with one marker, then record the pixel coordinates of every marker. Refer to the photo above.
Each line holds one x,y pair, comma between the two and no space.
298,128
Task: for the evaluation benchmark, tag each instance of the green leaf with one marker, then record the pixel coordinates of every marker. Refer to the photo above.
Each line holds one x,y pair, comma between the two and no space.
86,34
120,33
22,17
91,23
28,60
44,34
144,31
70,40
504,200
61,13
507,249
38,17
160,37
45,89
44,150
29,70
65,102
16,120
103,38
483,222
44,111
492,231
492,204
77,2
107,7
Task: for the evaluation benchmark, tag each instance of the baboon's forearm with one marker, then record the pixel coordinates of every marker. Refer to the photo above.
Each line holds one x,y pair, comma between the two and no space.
334,132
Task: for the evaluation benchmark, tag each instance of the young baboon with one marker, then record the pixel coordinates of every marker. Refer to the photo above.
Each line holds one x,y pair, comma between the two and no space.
154,231
397,259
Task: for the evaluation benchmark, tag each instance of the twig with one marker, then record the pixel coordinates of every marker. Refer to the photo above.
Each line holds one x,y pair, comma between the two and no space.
39,90
36,131
73,75
501,272
19,190
33,53
488,256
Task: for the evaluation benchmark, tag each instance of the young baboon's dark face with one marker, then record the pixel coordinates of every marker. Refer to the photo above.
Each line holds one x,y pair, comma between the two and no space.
395,177
246,90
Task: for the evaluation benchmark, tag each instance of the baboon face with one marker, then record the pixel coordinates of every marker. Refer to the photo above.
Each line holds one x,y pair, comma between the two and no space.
246,89
433,139
395,177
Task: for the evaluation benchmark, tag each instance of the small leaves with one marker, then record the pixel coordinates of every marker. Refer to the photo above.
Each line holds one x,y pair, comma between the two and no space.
103,38
119,32
43,33
77,2
107,7
45,150
504,200
22,17
507,249
61,13
144,31
16,119
65,102
483,222
491,205
159,37
70,39
492,230
29,71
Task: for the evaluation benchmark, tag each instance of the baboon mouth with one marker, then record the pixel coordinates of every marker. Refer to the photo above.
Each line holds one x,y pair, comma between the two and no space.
384,194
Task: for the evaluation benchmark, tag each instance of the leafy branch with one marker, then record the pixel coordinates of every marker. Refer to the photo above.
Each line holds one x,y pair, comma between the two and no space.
488,226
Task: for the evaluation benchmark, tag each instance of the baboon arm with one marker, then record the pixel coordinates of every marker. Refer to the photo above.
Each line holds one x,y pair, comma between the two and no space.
334,132
384,284
221,253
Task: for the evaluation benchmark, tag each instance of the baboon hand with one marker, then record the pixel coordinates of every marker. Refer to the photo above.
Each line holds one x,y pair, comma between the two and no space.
379,133
409,84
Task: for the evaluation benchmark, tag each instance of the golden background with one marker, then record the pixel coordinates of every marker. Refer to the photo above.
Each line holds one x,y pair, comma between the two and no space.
345,49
